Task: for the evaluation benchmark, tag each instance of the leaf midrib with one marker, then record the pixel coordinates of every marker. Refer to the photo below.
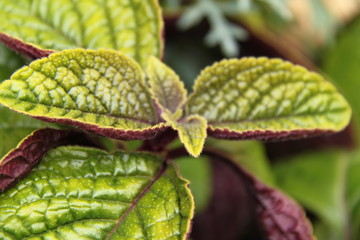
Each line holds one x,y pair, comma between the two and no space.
132,206
136,200
83,112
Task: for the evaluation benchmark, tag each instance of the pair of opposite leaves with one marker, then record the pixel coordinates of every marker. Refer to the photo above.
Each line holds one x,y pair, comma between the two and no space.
107,93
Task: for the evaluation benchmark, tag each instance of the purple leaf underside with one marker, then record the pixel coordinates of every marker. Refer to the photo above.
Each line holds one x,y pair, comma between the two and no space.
269,136
125,135
19,162
23,48
277,216
231,211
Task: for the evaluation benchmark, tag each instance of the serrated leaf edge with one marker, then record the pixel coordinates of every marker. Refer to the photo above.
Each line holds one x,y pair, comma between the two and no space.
227,133
266,135
111,132
155,61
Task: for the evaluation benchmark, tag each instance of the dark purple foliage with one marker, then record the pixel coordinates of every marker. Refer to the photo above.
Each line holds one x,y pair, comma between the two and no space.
19,162
267,135
23,48
109,132
275,216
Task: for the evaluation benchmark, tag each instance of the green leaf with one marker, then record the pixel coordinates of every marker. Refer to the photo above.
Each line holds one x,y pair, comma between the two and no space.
266,98
100,91
133,27
165,86
192,131
341,63
318,181
9,62
198,172
14,127
322,231
327,183
84,193
353,193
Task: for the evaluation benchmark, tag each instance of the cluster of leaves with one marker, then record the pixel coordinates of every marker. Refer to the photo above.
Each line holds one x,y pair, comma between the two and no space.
105,77
326,181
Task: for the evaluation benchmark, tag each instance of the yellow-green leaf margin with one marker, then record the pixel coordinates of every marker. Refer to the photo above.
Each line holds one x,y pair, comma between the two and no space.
165,86
261,98
85,193
102,91
192,131
132,26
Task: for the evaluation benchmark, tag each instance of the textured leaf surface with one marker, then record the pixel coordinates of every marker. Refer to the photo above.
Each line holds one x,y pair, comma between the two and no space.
166,87
191,130
19,162
133,27
266,99
281,216
318,182
101,91
14,127
83,193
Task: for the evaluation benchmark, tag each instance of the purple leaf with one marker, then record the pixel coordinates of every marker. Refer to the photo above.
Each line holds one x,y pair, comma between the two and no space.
276,215
267,135
231,212
281,217
25,49
19,162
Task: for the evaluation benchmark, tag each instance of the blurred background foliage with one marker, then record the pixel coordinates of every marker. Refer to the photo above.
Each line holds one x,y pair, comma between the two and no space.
323,173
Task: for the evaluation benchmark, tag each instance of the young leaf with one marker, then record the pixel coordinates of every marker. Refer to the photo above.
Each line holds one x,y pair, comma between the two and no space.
260,98
165,86
14,127
133,27
101,91
19,162
192,131
84,193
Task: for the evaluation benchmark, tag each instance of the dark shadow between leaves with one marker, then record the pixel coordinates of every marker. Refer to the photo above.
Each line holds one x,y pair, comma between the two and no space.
243,208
